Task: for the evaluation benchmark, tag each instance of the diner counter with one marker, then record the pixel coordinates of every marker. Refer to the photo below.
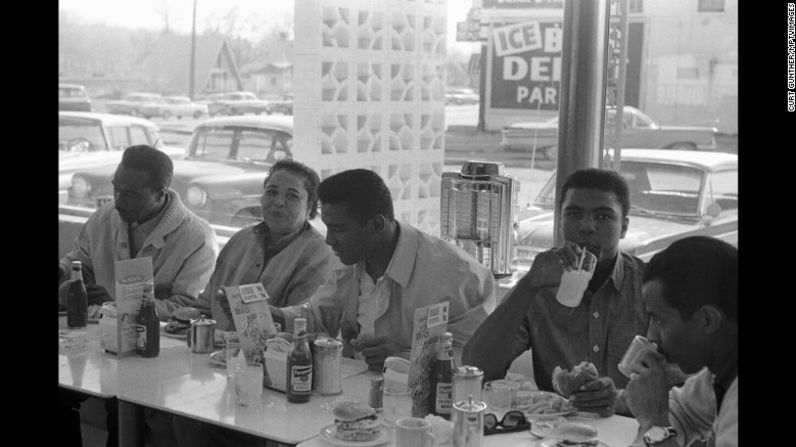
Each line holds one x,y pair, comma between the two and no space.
191,385
614,431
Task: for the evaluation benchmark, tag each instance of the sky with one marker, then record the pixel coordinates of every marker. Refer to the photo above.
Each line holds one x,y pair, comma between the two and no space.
149,14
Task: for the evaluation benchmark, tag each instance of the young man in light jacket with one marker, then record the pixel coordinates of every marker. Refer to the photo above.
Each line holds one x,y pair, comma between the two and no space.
390,269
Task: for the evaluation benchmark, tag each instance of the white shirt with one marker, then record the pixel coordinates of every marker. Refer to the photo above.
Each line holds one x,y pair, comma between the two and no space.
374,297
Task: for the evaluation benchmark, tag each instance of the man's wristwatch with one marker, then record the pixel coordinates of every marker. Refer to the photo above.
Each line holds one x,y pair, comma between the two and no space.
657,434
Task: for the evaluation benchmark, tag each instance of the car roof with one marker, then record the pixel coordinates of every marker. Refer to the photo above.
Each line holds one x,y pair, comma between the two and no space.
709,161
109,119
283,123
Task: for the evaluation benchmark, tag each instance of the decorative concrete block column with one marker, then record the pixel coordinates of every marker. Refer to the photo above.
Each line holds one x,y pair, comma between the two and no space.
369,92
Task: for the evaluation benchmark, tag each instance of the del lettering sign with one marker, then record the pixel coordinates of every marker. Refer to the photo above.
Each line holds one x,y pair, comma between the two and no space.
526,65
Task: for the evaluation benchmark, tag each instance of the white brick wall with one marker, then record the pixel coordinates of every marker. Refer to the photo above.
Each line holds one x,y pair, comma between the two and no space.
369,93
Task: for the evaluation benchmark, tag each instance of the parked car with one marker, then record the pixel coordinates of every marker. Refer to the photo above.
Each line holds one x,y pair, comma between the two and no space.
178,106
673,194
460,96
133,103
221,176
88,140
283,104
73,97
238,103
638,131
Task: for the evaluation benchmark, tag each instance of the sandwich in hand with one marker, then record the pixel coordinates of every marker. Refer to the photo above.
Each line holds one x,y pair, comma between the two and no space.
356,421
566,383
571,434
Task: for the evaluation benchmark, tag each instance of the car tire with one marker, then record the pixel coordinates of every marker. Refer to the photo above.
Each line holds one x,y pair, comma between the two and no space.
197,114
550,152
165,115
683,146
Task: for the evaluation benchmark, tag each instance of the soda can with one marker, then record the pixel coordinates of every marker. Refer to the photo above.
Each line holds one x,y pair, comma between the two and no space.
468,423
638,347
467,382
328,357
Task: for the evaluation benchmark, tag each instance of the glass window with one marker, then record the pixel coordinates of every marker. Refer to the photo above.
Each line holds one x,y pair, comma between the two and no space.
70,131
213,144
724,190
679,76
119,138
139,135
663,188
255,145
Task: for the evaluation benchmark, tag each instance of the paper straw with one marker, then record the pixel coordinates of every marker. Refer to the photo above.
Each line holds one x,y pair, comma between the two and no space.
582,257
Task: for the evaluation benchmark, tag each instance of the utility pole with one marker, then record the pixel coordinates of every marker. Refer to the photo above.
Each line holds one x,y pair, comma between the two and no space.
193,55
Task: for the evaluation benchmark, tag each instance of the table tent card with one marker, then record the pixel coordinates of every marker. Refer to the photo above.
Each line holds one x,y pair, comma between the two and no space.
118,332
248,304
430,323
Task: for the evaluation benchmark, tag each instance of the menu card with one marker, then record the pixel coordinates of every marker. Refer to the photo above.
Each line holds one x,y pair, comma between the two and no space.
248,304
429,324
130,275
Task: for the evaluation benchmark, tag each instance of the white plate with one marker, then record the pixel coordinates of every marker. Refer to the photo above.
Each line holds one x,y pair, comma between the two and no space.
219,358
540,404
177,336
328,433
554,443
542,427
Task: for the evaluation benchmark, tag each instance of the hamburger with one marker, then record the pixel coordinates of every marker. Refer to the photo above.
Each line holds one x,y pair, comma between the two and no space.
566,383
356,421
571,434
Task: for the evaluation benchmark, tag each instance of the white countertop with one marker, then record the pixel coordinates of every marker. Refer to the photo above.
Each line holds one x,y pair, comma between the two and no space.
189,384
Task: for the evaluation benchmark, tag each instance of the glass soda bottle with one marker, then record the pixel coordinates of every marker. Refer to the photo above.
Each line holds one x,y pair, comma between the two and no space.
77,298
148,325
442,369
299,365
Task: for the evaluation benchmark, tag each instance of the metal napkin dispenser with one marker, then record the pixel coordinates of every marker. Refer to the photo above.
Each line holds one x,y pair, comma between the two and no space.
479,213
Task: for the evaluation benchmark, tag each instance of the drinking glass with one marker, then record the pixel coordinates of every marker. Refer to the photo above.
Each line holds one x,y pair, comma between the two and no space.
249,381
231,351
396,403
500,394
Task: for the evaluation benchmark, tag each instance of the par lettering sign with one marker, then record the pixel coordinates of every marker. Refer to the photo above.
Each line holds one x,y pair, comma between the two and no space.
526,65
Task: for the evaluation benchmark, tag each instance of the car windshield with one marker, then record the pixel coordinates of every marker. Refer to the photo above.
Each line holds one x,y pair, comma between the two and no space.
655,189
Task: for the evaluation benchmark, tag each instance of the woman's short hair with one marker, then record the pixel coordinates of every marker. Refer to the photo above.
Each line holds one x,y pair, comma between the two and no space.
600,179
362,191
697,271
308,176
154,162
